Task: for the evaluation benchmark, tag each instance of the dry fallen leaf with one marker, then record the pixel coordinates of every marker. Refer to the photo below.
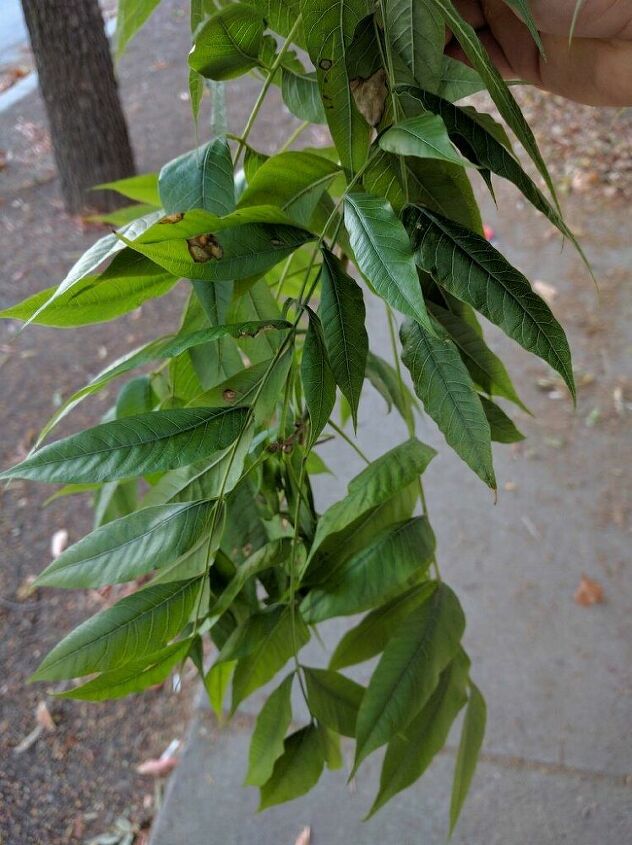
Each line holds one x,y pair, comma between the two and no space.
589,592
617,398
26,588
28,740
58,542
304,837
43,717
158,768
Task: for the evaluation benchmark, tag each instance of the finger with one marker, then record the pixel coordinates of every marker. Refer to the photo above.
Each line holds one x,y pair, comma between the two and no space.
590,71
471,12
596,18
494,51
593,71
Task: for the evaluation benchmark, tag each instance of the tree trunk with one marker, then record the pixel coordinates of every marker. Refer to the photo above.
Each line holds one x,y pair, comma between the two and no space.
76,78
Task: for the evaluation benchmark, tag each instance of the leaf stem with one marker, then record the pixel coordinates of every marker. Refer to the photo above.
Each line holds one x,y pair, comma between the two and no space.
388,61
410,423
276,64
296,134
348,440
293,573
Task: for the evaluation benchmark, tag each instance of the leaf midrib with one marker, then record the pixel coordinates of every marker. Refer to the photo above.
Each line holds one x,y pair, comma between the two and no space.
157,439
433,615
523,307
183,509
113,631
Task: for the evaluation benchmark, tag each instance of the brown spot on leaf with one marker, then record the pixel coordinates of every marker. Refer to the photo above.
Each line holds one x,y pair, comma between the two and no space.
370,96
229,394
204,248
325,64
172,218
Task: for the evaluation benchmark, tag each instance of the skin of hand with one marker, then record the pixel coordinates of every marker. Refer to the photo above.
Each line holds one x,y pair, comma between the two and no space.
595,67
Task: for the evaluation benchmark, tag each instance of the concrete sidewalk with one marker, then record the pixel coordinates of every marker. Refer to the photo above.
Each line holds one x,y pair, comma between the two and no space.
557,763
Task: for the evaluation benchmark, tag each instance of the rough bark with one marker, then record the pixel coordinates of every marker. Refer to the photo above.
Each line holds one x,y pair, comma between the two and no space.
76,77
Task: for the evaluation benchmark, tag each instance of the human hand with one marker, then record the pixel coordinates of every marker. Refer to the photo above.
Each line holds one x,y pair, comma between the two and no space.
594,68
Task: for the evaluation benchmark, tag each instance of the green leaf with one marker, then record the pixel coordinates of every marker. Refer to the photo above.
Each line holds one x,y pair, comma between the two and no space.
281,16
319,384
125,548
215,361
195,222
134,446
293,181
470,131
227,44
142,188
469,267
371,576
330,742
122,216
123,287
263,654
196,92
342,545
524,12
343,316
503,429
408,671
236,253
384,379
104,249
417,35
202,178
315,465
252,162
134,677
301,95
271,555
216,683
297,770
485,368
443,384
258,304
203,480
409,754
383,178
266,745
472,735
160,349
137,625
498,90
424,136
380,481
114,500
458,80
333,699
130,17
135,397
329,29
383,254
445,188
242,387
377,628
